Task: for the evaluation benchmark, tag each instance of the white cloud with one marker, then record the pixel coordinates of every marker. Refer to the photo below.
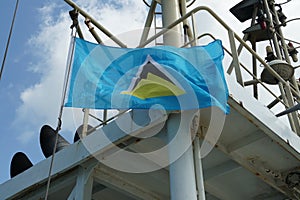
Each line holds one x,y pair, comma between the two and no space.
26,137
41,102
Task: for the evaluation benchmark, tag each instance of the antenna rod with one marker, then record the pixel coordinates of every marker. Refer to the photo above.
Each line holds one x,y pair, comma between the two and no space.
9,37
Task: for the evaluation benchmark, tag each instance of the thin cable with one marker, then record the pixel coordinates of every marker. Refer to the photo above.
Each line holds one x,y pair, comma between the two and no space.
9,37
147,4
293,41
285,2
283,24
67,75
191,3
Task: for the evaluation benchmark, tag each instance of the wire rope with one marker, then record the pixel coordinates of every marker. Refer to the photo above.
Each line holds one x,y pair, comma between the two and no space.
9,38
67,75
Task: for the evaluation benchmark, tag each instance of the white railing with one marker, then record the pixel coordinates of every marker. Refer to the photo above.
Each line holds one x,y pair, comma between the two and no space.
289,93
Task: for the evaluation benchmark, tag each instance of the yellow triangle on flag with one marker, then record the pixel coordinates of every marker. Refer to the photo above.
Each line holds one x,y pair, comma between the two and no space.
154,86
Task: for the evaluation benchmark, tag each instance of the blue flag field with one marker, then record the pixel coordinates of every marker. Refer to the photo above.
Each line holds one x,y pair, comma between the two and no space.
161,77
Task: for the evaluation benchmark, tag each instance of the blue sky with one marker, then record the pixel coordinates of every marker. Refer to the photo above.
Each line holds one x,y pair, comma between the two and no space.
16,77
31,85
30,89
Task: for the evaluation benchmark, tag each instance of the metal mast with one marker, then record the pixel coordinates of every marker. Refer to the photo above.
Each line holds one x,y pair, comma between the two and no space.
266,24
182,171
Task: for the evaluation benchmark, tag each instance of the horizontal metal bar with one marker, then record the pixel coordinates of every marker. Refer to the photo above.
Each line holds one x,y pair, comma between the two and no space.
273,103
244,67
243,43
252,82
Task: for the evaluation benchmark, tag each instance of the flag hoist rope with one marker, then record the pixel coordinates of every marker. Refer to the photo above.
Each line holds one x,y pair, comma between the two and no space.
9,37
65,86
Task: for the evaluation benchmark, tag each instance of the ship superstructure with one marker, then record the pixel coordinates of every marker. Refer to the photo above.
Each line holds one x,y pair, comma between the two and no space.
248,154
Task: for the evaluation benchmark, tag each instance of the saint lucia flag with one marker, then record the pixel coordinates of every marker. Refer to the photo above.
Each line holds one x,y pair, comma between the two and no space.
161,77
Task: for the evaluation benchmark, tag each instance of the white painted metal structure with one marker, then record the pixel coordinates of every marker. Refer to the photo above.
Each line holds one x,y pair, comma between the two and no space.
252,158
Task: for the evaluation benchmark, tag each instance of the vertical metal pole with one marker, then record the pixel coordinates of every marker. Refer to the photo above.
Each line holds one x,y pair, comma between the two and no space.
275,40
254,68
235,58
245,38
84,183
290,100
285,100
186,25
170,10
182,171
105,112
286,93
85,122
148,22
284,46
194,35
199,170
